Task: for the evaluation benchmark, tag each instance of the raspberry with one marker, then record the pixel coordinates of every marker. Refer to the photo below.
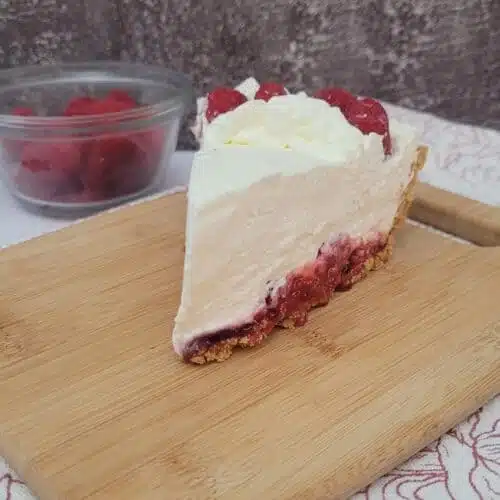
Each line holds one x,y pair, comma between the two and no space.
268,90
368,115
221,100
48,169
80,106
106,162
118,167
121,96
63,157
135,175
22,111
111,105
151,143
109,161
337,97
115,102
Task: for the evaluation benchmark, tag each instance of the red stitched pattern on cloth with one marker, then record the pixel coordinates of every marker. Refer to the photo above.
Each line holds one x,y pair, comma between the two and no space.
7,482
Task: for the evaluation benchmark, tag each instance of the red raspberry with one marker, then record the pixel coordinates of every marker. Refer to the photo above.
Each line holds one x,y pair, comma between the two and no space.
151,143
111,105
121,96
221,100
368,115
80,106
135,175
48,169
268,90
63,157
337,97
107,160
22,111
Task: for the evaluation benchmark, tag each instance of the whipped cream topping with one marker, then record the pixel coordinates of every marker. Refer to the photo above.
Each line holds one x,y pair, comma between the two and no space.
293,121
297,122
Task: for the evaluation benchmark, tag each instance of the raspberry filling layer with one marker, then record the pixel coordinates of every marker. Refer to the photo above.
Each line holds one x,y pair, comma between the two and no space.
337,267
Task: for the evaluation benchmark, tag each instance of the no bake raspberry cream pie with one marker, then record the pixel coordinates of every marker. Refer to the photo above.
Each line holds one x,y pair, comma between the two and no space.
291,198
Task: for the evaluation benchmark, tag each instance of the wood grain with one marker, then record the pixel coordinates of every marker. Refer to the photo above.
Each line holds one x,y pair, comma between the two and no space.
454,214
94,403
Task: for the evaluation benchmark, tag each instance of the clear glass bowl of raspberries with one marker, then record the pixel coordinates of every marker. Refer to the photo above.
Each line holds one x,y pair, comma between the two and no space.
89,135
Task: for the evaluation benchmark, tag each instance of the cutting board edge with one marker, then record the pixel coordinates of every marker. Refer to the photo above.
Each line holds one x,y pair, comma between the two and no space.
457,215
35,482
439,431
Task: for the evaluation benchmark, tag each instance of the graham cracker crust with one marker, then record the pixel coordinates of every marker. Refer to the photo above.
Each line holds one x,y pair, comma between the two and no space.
222,349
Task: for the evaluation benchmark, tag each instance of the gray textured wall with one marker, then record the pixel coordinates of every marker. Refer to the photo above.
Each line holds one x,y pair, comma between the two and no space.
436,55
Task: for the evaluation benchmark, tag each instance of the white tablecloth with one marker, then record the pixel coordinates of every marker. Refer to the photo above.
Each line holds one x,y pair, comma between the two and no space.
462,464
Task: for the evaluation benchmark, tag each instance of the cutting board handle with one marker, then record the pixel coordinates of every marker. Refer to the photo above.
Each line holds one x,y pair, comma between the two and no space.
457,215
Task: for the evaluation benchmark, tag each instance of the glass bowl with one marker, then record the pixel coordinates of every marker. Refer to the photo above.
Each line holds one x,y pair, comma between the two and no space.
88,135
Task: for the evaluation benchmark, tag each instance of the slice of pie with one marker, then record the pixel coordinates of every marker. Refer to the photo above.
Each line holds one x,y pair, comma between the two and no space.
291,198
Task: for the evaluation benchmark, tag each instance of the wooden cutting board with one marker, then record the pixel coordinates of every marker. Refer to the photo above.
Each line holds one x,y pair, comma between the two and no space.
94,404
